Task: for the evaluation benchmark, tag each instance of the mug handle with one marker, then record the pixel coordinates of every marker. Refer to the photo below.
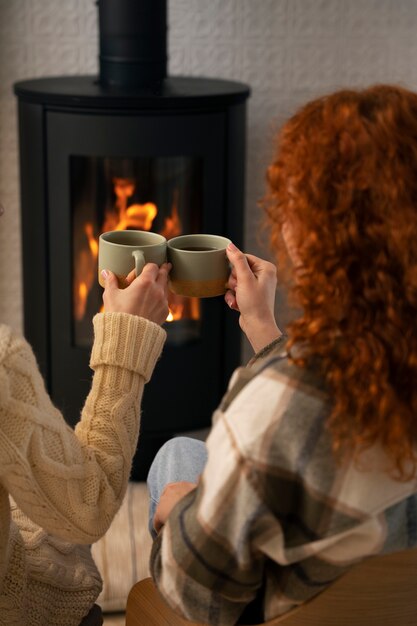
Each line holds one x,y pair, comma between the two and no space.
139,261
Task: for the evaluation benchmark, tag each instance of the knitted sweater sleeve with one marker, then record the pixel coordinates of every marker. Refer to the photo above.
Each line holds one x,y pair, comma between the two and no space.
72,483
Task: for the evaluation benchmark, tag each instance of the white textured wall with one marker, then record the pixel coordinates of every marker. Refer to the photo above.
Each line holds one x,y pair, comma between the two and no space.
287,50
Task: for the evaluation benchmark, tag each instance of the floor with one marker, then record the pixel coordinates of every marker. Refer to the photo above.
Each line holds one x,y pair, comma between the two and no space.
114,619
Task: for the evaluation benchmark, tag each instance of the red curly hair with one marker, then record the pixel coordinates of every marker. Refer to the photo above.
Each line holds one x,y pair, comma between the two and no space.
345,179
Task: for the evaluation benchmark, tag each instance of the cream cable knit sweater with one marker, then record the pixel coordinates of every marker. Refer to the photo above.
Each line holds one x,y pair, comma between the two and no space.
66,486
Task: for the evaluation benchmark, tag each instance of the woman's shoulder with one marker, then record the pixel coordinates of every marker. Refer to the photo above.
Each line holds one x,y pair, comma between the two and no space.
6,335
278,410
272,374
285,370
279,391
11,342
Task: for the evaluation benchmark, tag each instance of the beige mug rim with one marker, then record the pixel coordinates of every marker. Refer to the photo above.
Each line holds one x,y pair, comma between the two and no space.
162,239
209,235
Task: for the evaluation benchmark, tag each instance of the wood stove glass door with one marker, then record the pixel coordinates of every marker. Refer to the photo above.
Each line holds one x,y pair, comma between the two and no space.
155,171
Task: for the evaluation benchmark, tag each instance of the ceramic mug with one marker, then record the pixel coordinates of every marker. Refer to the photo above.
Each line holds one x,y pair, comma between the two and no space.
121,251
200,267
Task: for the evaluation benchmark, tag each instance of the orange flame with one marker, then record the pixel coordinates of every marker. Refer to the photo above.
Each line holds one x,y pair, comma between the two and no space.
92,242
138,217
172,225
84,277
135,216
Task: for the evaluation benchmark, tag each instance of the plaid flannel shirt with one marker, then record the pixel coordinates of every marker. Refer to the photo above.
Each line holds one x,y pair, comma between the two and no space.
273,515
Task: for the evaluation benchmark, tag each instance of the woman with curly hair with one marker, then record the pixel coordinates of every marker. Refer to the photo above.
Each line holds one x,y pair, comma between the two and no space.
311,462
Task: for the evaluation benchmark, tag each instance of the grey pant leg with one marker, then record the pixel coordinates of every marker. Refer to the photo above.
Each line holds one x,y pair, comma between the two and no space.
181,458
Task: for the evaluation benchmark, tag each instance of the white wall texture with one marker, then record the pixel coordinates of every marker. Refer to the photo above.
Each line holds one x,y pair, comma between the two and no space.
288,51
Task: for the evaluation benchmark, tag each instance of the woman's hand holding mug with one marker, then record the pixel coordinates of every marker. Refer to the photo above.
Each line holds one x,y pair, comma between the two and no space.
251,292
145,295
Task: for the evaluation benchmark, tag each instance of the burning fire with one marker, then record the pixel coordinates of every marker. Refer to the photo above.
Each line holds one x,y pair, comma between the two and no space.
122,217
136,216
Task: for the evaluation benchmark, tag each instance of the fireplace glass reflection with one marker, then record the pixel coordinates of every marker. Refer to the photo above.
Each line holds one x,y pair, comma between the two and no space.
158,194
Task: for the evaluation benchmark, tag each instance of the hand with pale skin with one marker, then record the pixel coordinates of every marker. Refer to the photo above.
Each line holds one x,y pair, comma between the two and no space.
251,291
145,295
172,493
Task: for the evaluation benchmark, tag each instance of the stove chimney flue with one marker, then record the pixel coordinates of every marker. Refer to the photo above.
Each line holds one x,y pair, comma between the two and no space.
133,42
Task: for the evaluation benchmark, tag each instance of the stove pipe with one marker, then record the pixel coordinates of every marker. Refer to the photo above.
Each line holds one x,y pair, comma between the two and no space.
133,42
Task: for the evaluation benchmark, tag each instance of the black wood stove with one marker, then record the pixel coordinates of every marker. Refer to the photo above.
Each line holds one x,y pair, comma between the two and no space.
131,148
